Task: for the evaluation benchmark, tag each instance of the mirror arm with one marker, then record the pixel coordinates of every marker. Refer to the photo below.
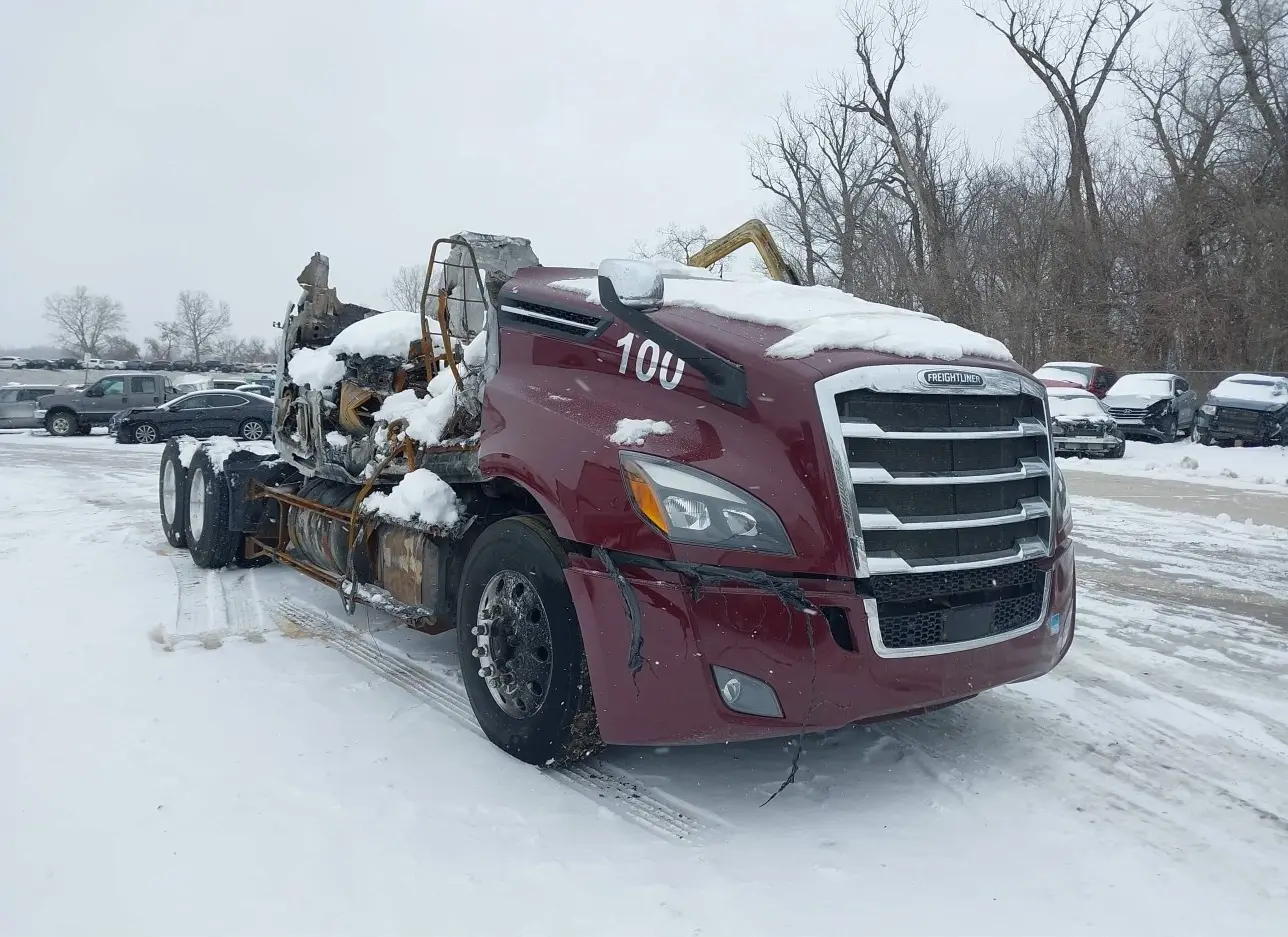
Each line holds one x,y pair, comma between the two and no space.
726,380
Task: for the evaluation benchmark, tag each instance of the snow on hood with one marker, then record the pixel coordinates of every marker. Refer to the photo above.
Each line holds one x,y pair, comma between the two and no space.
1076,407
1060,374
1130,388
819,317
1268,393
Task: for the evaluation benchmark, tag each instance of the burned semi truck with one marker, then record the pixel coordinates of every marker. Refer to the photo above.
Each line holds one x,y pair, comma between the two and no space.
656,506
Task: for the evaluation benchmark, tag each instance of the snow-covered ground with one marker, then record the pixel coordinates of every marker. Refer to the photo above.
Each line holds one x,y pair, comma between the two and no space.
218,752
1247,467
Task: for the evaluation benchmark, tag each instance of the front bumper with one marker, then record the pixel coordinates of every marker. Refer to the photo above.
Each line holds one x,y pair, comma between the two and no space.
1085,445
1149,427
674,698
1266,431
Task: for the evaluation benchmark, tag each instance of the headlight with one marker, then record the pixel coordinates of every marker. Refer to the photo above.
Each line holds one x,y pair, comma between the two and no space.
1060,501
691,506
1158,406
1208,408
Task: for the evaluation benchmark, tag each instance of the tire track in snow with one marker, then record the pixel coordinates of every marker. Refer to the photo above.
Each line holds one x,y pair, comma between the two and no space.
606,785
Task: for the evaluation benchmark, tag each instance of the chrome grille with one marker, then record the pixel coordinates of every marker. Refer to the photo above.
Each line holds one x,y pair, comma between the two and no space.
939,482
1127,413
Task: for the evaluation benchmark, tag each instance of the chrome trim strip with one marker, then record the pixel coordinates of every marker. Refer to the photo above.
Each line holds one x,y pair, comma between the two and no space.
1024,427
1028,467
1026,548
874,631
542,317
1030,509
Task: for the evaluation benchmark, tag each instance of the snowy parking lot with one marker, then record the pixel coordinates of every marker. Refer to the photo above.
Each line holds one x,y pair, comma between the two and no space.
211,752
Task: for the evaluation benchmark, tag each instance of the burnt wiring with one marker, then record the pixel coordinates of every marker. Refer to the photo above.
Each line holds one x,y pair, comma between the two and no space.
699,575
635,656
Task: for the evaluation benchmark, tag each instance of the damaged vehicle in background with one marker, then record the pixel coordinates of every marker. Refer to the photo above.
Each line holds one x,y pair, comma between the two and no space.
1153,406
202,414
1081,426
1086,374
1245,409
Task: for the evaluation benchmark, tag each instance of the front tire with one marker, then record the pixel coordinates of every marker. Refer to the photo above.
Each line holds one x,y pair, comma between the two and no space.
62,423
253,430
521,653
210,541
145,434
172,493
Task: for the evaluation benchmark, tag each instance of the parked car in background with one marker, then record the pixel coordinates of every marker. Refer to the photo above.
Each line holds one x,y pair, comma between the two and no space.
1096,378
39,364
255,389
66,364
18,404
1081,426
1246,408
70,413
136,364
12,361
1153,405
160,365
184,365
211,364
201,414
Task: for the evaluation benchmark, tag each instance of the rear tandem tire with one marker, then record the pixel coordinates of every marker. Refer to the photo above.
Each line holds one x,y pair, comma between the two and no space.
210,541
515,554
172,492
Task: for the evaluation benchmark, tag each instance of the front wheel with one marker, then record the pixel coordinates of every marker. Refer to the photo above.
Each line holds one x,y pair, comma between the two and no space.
62,423
521,653
253,430
145,434
1168,429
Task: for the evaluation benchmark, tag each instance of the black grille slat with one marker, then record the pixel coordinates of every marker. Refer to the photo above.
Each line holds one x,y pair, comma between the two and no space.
929,456
920,412
915,586
909,502
951,542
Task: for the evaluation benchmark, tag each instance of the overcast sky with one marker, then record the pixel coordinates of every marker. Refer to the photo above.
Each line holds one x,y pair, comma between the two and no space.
148,147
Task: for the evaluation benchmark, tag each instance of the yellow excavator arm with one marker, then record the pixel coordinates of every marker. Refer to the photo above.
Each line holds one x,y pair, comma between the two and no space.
751,232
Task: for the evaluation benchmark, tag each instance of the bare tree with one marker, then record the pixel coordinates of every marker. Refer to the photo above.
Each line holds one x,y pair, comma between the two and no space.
82,321
405,288
1073,53
784,163
673,243
120,348
199,321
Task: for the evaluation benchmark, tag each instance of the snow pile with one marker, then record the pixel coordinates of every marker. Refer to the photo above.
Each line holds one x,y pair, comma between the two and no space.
219,448
1254,388
820,317
427,417
187,449
315,367
385,333
633,432
1253,467
336,440
420,496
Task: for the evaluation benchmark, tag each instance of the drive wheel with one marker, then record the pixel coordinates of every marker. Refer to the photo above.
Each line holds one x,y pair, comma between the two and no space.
1202,438
62,423
210,542
1119,451
253,430
521,653
1168,429
172,491
145,434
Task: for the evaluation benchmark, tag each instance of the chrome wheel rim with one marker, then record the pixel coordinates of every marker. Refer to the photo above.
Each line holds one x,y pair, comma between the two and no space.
253,430
145,435
169,492
197,503
61,426
512,644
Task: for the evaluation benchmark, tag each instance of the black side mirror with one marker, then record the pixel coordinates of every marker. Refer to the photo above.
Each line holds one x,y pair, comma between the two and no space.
95,391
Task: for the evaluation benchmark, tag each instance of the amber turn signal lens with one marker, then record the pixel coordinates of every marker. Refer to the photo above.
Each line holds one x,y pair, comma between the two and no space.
646,500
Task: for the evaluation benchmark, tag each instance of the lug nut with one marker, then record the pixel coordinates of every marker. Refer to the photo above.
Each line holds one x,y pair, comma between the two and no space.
486,672
477,652
479,631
